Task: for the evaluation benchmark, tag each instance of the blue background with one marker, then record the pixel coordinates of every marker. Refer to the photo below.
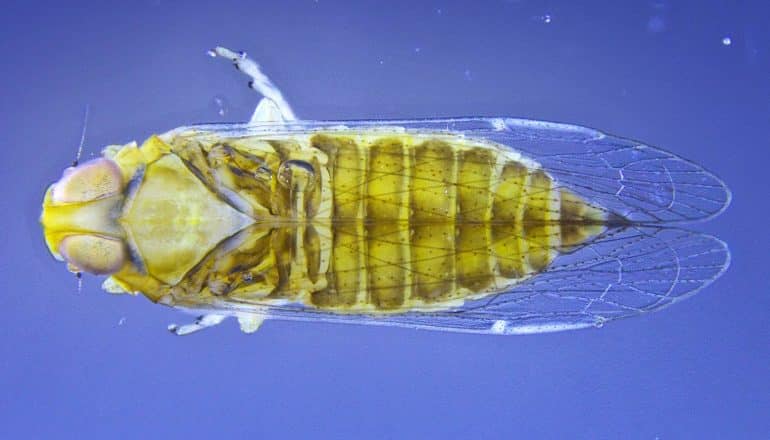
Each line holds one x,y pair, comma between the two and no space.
88,364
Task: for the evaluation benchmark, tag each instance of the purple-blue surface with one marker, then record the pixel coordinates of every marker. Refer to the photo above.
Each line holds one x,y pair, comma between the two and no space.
92,364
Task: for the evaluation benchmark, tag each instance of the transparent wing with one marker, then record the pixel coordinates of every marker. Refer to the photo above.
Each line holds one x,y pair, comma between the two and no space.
642,183
622,274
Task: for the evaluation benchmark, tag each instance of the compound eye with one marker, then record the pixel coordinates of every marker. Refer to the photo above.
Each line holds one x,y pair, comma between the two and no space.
95,179
93,254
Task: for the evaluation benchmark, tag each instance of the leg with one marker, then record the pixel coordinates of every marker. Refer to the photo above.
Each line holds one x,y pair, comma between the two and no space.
266,110
200,323
249,323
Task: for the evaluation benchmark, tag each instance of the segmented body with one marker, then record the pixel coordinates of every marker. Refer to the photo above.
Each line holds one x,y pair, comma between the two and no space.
473,225
384,222
487,225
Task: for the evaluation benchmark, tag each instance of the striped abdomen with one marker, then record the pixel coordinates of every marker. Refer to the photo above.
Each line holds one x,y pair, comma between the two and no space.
419,221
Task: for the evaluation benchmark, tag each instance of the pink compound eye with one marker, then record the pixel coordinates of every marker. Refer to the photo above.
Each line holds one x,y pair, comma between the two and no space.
94,254
89,181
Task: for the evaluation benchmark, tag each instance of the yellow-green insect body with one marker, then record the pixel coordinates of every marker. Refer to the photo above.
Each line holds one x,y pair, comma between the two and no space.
473,224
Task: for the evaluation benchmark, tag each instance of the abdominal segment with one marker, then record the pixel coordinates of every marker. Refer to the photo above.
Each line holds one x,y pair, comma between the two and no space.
385,223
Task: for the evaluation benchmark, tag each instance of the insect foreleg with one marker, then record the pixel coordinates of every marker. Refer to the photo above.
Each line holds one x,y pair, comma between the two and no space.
274,102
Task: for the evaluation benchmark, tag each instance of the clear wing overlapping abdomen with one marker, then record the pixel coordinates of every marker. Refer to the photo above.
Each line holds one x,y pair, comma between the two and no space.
638,263
642,183
634,271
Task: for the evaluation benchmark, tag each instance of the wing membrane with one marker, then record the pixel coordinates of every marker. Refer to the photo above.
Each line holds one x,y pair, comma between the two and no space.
625,272
643,183
622,274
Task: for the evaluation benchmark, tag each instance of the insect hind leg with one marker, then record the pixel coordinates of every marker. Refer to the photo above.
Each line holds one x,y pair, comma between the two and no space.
200,323
273,107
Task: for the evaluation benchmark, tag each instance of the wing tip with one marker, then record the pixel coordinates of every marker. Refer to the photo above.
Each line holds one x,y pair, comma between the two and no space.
707,252
721,195
720,246
646,184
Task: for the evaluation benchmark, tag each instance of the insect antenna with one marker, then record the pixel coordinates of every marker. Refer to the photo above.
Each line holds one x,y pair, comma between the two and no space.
79,276
82,142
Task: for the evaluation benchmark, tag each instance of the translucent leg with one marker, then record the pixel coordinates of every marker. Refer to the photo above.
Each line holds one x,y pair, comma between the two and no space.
273,107
200,323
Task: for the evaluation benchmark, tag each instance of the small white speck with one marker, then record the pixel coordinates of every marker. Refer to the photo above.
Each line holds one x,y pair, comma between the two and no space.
382,62
499,327
220,105
417,50
122,321
547,18
726,41
439,11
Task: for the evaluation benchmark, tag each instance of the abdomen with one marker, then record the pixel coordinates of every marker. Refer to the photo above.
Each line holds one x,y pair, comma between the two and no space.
421,222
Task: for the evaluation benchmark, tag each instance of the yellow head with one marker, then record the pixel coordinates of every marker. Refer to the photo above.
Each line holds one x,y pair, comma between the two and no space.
137,214
80,217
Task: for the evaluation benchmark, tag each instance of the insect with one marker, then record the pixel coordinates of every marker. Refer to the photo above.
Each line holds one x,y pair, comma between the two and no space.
487,225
